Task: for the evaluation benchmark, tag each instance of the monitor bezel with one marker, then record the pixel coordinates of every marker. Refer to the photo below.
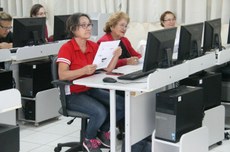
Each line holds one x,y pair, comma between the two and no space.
21,32
59,30
211,28
187,37
154,51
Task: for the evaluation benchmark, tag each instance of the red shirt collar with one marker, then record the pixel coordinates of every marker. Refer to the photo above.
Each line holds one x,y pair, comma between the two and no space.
77,48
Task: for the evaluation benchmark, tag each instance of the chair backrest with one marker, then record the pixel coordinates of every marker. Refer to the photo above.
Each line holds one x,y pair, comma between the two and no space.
54,68
59,84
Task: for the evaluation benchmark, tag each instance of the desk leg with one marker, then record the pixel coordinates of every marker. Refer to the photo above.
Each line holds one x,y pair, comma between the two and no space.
113,120
127,122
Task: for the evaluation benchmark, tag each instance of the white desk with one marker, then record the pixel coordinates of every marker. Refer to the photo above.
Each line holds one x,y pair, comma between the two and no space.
223,56
9,101
141,95
31,52
206,61
5,55
188,142
141,101
138,95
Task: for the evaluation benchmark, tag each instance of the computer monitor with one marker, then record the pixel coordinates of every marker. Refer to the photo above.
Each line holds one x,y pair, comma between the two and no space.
28,31
60,27
212,35
228,33
159,49
190,42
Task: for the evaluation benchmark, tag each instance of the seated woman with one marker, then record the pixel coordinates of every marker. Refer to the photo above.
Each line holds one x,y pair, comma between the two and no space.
115,29
75,60
168,20
38,10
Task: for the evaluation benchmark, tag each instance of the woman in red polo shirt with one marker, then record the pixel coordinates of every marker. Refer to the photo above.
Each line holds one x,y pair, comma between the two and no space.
115,29
75,61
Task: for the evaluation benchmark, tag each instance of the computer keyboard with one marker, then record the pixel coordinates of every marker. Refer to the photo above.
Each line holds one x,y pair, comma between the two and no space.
135,75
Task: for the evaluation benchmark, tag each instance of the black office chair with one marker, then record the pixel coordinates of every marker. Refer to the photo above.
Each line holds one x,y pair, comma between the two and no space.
74,146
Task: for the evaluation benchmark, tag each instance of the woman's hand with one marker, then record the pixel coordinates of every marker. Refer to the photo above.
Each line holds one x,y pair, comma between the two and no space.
89,69
132,60
117,52
5,45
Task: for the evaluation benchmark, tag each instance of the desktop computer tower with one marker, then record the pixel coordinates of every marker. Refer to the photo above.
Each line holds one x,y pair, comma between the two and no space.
211,84
29,109
34,76
9,138
6,79
178,111
225,71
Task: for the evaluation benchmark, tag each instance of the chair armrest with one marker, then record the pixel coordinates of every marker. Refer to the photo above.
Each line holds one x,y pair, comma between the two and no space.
61,85
61,82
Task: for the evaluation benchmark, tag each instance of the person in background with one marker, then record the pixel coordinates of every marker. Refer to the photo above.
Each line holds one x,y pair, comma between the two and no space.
168,20
37,10
115,29
6,36
75,60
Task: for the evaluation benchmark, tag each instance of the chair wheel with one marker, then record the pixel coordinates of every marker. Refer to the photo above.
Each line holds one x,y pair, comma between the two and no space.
227,135
57,149
219,143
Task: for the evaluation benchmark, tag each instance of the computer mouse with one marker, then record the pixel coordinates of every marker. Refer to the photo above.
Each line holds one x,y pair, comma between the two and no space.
109,80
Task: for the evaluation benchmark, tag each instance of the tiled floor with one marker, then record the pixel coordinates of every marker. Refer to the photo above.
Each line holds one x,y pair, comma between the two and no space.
45,137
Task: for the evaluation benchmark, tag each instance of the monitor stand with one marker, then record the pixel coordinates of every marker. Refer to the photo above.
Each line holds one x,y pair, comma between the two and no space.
217,42
36,38
169,53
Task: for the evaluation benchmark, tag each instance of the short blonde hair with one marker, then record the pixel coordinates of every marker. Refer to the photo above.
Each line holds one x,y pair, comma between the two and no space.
114,19
5,16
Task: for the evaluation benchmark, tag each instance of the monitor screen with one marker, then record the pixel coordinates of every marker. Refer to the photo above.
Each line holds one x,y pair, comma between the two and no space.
60,27
159,49
28,31
190,42
95,28
228,33
212,35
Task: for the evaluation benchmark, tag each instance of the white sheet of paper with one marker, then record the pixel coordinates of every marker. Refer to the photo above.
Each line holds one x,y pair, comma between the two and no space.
105,53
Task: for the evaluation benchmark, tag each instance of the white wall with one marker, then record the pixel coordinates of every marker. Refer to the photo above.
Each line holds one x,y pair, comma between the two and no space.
187,11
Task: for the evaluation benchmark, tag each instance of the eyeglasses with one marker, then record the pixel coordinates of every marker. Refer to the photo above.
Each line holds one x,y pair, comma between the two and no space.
42,13
170,20
5,28
124,26
86,26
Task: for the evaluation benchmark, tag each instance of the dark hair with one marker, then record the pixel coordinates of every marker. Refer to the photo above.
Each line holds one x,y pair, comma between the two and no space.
35,9
162,18
5,16
73,21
